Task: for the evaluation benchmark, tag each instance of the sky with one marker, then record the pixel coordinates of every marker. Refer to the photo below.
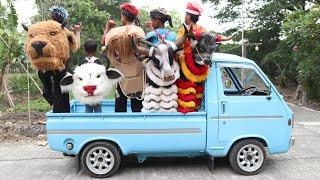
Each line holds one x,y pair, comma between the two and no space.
27,9
180,5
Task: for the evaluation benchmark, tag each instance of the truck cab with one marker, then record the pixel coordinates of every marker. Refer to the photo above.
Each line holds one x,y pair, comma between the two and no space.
243,116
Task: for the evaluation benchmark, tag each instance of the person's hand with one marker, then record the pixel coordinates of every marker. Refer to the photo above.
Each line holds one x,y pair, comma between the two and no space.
110,24
148,24
77,27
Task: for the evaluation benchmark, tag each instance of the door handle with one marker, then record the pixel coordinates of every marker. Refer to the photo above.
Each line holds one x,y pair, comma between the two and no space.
223,103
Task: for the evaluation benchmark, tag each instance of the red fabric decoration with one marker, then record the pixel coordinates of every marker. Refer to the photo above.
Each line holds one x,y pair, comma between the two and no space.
185,110
199,89
187,97
130,8
196,70
184,84
198,102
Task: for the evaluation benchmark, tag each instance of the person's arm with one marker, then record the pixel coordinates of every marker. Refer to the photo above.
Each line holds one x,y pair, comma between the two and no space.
77,31
110,24
149,26
227,38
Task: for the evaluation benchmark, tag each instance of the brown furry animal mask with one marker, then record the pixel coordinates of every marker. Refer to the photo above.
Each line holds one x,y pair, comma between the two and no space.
48,44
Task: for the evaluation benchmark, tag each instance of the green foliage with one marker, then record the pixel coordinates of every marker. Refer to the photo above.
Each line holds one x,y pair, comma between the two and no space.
92,14
19,83
302,28
275,56
35,105
10,42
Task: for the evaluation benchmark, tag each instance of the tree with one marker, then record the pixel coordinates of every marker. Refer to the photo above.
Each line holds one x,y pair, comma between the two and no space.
302,28
10,40
92,14
266,17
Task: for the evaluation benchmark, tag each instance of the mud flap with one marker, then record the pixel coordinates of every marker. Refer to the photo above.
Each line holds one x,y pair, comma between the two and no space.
210,163
78,164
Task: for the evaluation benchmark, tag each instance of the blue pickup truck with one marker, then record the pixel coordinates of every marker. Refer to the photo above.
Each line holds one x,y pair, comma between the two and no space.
243,117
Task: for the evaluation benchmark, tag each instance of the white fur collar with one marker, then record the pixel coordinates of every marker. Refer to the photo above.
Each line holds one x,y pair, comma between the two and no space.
166,105
150,105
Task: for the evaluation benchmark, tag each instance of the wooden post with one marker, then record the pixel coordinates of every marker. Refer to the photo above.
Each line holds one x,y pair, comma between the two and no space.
6,90
35,83
28,95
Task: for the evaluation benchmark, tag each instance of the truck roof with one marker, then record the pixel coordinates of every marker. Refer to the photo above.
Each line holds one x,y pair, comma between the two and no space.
222,57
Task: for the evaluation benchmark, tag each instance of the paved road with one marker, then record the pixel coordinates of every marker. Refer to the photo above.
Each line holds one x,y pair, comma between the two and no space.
25,160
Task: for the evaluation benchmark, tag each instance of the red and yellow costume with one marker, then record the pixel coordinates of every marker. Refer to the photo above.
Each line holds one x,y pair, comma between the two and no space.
191,87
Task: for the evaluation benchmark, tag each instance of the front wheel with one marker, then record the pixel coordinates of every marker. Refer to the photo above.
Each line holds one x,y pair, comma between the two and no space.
100,159
248,157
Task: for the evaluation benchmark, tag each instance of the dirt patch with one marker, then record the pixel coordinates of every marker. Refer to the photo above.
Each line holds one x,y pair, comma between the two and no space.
16,126
289,96
22,118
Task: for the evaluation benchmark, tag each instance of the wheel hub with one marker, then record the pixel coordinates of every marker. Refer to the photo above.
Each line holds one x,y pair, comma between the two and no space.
250,158
100,160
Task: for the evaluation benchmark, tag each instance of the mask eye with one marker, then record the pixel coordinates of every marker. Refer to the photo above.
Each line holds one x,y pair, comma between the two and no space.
52,33
99,76
80,79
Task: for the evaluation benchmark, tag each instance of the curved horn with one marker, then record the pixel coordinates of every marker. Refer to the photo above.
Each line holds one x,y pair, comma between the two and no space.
26,28
139,49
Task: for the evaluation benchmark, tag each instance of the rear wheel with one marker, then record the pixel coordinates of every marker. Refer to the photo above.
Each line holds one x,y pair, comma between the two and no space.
100,159
248,157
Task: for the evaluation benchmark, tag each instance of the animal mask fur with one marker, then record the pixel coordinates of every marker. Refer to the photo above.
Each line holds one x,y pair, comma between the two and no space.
48,45
91,82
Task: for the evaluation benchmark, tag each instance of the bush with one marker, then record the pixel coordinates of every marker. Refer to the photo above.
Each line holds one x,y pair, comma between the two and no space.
36,105
19,83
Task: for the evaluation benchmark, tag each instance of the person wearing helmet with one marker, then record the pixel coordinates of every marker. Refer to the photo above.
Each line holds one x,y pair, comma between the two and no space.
61,15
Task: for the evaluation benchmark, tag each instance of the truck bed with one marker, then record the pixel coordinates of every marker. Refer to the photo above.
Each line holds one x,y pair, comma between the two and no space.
143,133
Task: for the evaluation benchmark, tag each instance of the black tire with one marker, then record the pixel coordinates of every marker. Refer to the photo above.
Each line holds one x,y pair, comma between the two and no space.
240,155
108,153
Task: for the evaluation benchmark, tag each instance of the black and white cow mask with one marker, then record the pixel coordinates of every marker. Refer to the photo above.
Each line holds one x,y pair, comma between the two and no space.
204,47
91,82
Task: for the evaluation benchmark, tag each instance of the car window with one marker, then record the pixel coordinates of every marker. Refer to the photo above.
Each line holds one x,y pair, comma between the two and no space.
227,82
244,81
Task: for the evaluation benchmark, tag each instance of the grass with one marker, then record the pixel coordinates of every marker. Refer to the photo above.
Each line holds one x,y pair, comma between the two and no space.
39,105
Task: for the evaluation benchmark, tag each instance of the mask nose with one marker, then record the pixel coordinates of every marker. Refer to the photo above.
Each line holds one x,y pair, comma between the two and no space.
207,61
38,46
90,89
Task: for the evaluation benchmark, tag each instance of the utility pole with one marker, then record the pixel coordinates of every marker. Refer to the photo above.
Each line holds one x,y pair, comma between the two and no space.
242,24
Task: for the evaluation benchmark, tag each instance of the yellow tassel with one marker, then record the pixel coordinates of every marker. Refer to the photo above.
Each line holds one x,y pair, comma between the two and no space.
188,74
187,91
190,104
200,95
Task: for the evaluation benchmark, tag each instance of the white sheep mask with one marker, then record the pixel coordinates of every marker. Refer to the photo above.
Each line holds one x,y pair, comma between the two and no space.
91,82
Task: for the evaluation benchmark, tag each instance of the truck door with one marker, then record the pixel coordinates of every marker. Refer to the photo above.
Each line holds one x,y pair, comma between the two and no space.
247,105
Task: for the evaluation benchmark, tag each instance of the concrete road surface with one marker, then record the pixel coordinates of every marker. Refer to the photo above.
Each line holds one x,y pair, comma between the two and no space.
26,160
